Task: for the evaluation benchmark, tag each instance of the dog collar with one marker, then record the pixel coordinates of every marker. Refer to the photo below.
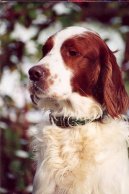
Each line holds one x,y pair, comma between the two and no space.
66,122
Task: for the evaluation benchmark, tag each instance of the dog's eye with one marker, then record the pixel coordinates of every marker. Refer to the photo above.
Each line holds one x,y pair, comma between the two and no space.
73,53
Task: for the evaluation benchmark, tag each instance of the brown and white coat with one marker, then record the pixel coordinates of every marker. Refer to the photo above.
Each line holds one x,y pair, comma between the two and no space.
79,77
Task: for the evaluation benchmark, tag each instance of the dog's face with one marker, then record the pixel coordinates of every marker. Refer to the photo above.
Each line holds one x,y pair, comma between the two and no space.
52,76
77,61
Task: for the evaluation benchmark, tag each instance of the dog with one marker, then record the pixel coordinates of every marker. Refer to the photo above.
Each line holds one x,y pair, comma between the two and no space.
83,149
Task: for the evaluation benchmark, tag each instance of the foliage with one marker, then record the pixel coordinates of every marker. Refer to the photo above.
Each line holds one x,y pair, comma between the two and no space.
17,168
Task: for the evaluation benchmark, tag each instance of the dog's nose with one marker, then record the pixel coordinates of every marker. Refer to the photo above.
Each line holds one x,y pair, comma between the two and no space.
36,72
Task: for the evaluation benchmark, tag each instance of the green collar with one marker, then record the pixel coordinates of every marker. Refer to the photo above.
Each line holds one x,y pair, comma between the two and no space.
65,122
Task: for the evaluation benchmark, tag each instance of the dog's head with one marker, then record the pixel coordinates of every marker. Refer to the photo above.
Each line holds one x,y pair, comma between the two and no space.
77,65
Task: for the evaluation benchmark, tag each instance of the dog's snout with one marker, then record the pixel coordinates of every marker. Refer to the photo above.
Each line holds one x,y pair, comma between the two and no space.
36,73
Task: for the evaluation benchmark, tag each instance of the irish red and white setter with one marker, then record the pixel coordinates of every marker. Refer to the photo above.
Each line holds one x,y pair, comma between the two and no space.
83,148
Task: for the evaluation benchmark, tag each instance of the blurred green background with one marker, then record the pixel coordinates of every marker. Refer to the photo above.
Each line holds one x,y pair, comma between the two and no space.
23,29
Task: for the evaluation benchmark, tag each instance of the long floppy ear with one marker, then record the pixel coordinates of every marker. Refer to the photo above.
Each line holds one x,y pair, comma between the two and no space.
115,97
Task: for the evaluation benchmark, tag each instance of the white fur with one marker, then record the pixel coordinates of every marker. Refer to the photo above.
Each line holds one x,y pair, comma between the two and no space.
89,159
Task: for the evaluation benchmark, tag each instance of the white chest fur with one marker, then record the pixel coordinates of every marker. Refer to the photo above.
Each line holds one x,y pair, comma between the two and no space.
90,159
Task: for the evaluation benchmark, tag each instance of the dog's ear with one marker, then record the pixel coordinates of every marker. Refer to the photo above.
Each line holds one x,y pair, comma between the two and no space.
115,97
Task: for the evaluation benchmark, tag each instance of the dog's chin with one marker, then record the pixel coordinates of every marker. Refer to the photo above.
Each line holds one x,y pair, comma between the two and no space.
47,101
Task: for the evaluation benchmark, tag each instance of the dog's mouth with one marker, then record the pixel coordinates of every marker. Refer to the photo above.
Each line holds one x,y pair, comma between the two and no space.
36,92
40,91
